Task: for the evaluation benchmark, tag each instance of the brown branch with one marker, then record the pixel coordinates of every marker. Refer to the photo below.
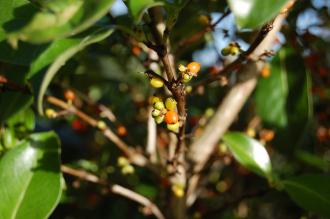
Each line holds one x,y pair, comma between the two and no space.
114,188
202,148
134,156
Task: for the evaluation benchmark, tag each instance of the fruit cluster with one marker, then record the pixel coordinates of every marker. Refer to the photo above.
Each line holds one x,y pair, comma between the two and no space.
189,71
166,112
233,49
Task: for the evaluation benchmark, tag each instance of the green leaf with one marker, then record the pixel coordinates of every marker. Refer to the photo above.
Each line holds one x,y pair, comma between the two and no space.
25,118
284,101
254,13
311,192
30,185
137,8
249,152
65,56
58,19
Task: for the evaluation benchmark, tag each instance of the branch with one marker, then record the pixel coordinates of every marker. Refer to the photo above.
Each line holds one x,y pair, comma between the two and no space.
114,188
133,155
202,148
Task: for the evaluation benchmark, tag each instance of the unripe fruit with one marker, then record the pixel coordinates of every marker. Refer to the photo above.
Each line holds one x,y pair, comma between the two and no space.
159,105
128,169
156,82
69,95
170,103
204,20
178,190
155,99
186,78
188,89
173,127
182,68
101,125
159,119
122,161
50,113
155,113
171,117
226,51
234,50
193,68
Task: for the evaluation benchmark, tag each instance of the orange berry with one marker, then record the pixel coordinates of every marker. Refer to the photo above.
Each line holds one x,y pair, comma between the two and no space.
69,95
267,135
136,50
193,68
121,130
171,117
265,72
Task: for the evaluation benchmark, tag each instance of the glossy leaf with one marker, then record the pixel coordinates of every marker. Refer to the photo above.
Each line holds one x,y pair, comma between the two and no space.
249,152
137,8
254,13
58,19
65,56
311,192
283,100
30,176
25,118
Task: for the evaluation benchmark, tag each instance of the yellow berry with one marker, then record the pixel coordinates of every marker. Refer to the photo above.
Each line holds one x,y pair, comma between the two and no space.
182,68
225,51
155,99
50,113
170,103
234,50
156,82
188,89
101,125
178,190
173,127
155,113
122,161
127,169
204,20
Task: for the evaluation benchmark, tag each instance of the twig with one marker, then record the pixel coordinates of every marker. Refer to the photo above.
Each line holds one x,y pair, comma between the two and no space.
134,156
202,148
114,188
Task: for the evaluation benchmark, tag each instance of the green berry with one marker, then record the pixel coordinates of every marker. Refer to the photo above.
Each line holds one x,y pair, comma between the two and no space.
155,112
186,78
155,99
173,127
122,161
170,103
159,105
127,169
159,119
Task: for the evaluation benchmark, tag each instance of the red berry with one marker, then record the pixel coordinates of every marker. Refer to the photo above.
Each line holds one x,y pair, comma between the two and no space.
78,126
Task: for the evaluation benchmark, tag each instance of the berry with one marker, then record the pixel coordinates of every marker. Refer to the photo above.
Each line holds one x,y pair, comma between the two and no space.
265,72
234,50
155,99
155,113
50,113
186,78
225,51
193,68
156,82
178,190
78,125
159,105
170,103
188,89
127,169
136,50
204,20
69,95
122,161
171,117
182,68
159,119
101,125
173,127
121,130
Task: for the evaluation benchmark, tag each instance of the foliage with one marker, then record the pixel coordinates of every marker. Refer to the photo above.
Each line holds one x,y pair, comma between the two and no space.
146,79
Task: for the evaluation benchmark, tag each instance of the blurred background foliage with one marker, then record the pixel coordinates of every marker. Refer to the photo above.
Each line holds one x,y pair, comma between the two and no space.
288,112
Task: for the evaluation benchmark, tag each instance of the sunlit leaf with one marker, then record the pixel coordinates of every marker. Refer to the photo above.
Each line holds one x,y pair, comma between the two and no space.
249,152
30,176
253,13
